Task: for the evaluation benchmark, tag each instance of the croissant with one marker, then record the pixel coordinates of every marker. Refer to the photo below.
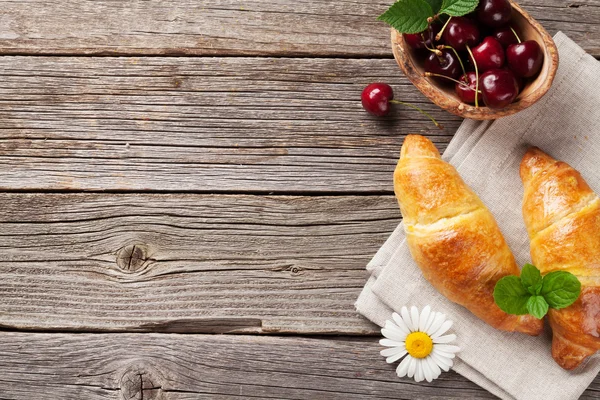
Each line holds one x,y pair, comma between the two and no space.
453,237
562,215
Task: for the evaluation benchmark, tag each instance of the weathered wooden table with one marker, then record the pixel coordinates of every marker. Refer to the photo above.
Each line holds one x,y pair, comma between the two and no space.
190,191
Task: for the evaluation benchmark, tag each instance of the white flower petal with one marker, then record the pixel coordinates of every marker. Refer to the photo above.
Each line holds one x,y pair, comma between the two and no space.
429,321
427,372
414,317
448,348
437,322
394,335
396,357
390,351
412,367
443,329
419,376
402,369
443,362
389,325
442,339
442,353
435,369
391,343
423,318
400,323
406,318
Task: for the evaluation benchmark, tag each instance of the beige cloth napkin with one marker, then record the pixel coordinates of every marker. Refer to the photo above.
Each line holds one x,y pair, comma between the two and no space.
566,124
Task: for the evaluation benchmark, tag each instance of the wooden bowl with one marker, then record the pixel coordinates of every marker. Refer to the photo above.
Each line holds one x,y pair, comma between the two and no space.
446,98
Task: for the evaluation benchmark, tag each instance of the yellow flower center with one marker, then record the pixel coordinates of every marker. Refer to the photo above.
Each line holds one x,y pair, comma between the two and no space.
419,344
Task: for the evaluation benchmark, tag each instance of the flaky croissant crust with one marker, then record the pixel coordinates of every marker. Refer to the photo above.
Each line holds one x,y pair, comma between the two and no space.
452,235
562,215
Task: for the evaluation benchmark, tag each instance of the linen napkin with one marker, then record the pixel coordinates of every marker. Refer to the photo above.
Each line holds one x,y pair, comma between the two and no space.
566,124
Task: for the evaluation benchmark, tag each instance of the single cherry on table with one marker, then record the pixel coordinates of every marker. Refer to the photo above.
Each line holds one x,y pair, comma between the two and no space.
376,98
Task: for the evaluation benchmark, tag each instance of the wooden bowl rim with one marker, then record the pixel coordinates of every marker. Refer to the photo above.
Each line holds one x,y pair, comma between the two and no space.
437,96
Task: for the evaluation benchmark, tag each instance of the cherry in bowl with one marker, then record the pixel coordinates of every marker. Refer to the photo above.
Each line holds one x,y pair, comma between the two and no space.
489,54
446,64
499,88
460,32
506,36
494,13
466,88
525,59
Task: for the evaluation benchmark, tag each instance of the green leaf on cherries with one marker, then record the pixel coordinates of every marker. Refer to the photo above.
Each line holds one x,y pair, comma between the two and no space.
458,8
436,5
408,16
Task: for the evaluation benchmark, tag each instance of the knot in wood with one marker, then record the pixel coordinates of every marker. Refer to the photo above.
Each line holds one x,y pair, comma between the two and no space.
141,382
295,270
133,258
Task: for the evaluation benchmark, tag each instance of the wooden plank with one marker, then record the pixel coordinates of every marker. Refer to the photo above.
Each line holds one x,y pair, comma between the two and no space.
236,27
169,367
203,125
188,263
178,367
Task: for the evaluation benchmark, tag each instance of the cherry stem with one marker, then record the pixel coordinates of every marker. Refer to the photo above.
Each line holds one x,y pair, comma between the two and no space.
439,35
476,76
457,56
517,36
436,51
451,79
419,110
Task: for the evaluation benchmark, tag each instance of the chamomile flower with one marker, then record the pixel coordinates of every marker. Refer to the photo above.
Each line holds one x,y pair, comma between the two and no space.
420,339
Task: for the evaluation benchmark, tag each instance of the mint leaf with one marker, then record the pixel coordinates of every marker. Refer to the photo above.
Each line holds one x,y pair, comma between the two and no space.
560,289
408,16
511,296
435,5
458,8
532,279
537,306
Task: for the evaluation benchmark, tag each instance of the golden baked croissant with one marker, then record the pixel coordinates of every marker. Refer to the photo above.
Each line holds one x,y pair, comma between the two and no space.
562,215
453,237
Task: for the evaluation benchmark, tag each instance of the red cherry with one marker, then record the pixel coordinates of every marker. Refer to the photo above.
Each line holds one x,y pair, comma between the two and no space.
499,88
494,13
506,36
466,89
447,64
525,59
376,98
460,33
422,40
415,40
489,54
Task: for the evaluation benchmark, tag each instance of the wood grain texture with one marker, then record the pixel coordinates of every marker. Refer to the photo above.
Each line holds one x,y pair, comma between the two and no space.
236,27
169,367
184,367
203,124
188,263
